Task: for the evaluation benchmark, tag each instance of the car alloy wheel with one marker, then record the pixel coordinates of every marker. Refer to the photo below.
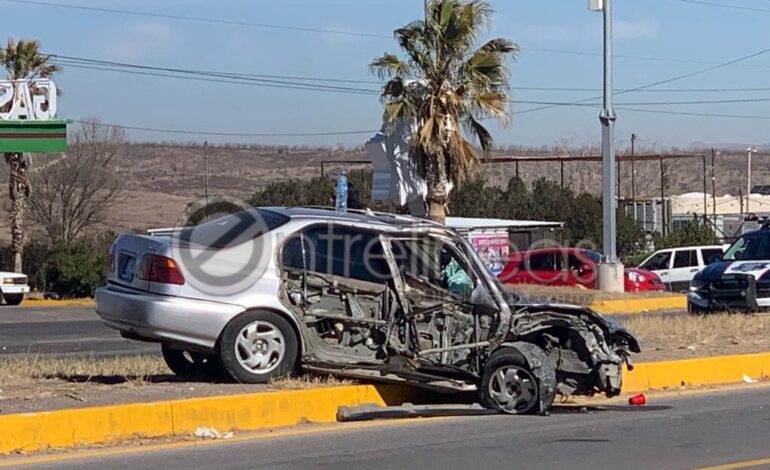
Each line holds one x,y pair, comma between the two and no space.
513,389
260,347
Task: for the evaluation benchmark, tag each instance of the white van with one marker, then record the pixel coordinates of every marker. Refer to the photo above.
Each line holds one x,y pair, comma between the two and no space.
677,266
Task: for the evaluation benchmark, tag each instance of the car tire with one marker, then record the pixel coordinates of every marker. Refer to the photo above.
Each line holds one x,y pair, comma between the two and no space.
13,299
509,385
693,309
192,365
258,346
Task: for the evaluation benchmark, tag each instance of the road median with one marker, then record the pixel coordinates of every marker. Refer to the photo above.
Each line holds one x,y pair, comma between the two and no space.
640,305
116,423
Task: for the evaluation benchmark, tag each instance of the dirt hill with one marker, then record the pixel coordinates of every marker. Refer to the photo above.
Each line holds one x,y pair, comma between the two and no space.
161,179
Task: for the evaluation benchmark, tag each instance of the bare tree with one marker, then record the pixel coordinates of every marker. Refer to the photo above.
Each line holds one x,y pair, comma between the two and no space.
72,193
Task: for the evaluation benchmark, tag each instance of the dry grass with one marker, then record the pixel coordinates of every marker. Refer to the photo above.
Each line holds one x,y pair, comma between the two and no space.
304,381
667,337
30,369
577,295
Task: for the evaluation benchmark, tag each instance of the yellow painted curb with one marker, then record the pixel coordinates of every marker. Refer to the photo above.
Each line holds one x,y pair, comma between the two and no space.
109,424
619,307
698,371
69,428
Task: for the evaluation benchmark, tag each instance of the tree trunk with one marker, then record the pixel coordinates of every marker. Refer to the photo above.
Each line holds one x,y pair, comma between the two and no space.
436,182
18,190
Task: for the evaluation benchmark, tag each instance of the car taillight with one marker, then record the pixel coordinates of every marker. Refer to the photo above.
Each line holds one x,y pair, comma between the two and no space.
156,268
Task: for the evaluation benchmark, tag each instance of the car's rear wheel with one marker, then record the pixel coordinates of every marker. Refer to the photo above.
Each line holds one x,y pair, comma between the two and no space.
258,346
13,299
508,384
191,365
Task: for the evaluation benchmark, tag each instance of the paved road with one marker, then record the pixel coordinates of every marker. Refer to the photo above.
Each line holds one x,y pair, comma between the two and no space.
70,330
685,432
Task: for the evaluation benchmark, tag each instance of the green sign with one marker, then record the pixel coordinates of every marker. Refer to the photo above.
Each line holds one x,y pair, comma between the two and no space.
37,136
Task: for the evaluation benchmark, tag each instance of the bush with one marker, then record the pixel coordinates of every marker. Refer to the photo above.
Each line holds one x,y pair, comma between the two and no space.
75,270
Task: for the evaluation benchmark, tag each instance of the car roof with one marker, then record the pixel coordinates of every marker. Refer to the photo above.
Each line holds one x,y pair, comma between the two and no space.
552,249
382,220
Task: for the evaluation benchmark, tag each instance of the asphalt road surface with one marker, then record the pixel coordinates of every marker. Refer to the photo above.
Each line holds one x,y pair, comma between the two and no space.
691,431
65,330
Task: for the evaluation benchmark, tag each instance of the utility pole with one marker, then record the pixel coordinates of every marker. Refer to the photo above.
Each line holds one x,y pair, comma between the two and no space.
749,151
610,271
662,198
206,171
633,176
713,189
705,201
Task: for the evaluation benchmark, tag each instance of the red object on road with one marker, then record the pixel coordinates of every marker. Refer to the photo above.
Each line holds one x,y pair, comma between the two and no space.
637,400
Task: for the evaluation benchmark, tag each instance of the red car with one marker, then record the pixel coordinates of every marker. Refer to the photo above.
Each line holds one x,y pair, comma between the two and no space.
569,267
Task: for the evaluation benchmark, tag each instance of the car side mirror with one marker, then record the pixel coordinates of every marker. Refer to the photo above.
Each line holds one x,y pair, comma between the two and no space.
483,300
715,258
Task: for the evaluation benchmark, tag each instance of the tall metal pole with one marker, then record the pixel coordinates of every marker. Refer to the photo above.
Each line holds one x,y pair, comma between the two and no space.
607,119
713,189
206,171
633,176
749,151
662,198
705,201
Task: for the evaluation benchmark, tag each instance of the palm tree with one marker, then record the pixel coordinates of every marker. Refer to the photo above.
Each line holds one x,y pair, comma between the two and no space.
22,60
444,86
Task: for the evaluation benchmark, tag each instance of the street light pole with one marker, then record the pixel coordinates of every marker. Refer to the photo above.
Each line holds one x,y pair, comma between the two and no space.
749,151
611,273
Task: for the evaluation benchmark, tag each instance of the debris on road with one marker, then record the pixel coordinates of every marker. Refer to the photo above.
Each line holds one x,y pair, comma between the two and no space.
749,380
206,432
370,411
637,400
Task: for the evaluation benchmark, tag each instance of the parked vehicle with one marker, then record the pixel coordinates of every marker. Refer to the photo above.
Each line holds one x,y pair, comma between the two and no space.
569,267
13,287
739,280
677,266
360,294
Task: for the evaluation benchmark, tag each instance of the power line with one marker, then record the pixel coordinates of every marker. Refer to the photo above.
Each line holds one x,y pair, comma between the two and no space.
246,79
688,113
723,5
659,82
224,134
354,33
197,19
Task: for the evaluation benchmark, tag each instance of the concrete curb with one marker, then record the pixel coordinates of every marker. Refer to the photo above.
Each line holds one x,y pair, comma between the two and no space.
110,424
620,307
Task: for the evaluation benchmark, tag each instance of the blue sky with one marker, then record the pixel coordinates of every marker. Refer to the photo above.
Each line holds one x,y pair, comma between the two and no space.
665,29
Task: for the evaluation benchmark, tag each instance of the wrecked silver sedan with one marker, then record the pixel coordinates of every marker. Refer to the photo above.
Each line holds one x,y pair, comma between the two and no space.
262,292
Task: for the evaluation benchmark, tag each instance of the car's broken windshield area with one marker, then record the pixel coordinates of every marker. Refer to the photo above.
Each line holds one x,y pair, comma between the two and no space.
753,246
432,266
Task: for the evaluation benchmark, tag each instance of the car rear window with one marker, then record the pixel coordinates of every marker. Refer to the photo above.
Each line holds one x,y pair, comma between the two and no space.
233,229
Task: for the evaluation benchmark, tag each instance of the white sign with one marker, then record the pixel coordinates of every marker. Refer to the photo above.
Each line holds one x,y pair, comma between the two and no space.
596,5
27,99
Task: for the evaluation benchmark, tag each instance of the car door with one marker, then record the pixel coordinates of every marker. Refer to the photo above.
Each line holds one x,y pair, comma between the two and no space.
543,268
339,284
660,264
685,265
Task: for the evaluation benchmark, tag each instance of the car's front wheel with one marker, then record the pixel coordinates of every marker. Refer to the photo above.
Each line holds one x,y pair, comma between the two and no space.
694,309
508,384
258,346
13,299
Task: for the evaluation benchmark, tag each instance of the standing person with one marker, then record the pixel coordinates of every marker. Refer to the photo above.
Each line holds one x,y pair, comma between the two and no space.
353,201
